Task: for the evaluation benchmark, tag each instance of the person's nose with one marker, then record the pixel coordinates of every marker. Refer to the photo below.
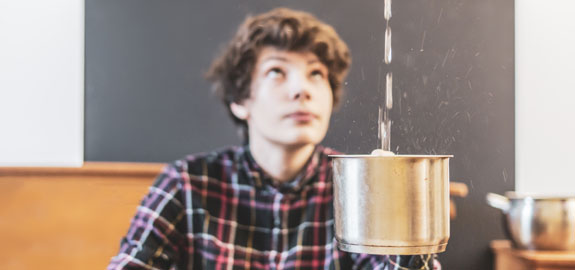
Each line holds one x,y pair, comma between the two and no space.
300,88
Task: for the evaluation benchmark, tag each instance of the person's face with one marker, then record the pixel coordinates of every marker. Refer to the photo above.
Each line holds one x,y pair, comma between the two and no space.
291,99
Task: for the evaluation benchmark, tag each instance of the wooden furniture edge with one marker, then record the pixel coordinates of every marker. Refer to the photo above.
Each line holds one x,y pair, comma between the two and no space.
91,168
132,169
535,258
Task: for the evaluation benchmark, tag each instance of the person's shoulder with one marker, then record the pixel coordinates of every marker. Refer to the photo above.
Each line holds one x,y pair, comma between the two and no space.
216,157
206,163
197,166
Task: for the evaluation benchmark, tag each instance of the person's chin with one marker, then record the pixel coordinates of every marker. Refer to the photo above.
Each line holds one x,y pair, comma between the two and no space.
304,138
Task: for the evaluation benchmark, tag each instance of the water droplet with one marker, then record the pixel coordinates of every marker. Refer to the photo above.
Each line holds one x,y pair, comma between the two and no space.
422,41
387,58
388,90
387,9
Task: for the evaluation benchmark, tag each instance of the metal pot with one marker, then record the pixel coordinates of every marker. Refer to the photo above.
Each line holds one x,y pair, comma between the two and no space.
537,222
391,204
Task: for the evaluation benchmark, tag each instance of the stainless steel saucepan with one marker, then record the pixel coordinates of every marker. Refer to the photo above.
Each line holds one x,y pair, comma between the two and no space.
538,222
391,204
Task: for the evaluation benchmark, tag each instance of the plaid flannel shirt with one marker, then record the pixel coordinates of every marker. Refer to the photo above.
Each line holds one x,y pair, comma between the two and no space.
220,210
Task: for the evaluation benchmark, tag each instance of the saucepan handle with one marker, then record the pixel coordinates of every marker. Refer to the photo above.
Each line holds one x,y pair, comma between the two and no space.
498,201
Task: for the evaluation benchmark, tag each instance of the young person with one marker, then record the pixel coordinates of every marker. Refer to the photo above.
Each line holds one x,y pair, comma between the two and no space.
267,204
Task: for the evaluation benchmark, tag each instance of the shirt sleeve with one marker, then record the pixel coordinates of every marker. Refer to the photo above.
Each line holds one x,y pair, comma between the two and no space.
156,238
382,262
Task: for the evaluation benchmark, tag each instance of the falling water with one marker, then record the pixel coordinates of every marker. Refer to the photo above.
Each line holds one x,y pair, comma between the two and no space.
387,10
387,57
384,134
384,121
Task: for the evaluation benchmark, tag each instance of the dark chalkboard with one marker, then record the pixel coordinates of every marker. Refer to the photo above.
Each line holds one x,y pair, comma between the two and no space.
453,67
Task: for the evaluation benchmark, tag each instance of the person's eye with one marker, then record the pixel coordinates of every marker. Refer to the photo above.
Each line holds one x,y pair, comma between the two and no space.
318,74
275,73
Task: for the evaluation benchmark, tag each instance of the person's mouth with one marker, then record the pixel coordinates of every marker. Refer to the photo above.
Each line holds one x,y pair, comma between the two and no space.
302,116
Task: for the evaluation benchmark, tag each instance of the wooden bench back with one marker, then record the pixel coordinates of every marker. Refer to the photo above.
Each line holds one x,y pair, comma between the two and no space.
68,218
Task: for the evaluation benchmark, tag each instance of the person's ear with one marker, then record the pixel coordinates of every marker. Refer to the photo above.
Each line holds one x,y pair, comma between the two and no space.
239,110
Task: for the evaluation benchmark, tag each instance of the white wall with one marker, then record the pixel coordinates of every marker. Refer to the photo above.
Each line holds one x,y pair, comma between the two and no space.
545,96
42,77
41,82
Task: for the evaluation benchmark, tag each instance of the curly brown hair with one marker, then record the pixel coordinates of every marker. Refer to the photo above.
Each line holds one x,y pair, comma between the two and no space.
285,29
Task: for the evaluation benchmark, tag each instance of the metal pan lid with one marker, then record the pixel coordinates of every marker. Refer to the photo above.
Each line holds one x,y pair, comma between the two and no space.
539,196
390,156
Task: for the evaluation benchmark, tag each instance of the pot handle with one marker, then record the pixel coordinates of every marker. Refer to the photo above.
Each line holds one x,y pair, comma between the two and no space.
498,201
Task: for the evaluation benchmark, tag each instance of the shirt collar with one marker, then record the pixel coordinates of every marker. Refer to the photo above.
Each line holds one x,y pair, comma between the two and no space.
260,179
